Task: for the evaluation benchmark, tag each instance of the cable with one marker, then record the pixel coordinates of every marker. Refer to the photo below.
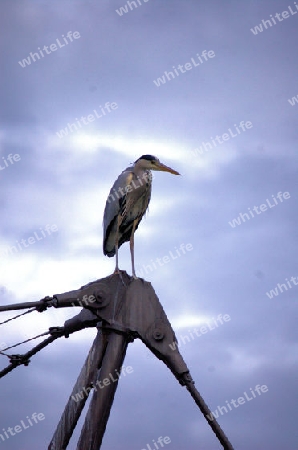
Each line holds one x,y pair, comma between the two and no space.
16,360
24,342
19,315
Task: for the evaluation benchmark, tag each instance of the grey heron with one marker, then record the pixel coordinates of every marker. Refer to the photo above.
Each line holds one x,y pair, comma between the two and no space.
126,204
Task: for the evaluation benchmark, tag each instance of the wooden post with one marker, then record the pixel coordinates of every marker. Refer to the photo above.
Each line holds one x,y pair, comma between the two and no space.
127,308
104,391
73,409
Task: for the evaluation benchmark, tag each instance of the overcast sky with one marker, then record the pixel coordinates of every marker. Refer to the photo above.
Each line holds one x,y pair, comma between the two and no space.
213,92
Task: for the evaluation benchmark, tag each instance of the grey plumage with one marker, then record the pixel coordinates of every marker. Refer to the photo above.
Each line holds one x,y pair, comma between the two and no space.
130,206
126,204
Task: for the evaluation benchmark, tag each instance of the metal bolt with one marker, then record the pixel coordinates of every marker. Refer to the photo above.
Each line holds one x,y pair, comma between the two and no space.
158,335
102,298
99,296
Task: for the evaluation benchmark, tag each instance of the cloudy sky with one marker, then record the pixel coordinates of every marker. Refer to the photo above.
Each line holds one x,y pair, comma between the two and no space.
213,92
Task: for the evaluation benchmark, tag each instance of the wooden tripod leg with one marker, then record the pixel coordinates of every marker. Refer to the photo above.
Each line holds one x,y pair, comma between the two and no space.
83,385
102,399
209,416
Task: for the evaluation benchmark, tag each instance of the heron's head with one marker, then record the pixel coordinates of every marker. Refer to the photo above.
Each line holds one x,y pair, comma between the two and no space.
149,162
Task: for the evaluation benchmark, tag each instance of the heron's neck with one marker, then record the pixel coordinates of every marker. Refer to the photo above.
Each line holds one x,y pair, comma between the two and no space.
141,173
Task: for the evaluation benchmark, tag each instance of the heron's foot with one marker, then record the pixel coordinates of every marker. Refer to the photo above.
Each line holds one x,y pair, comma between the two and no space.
134,274
117,271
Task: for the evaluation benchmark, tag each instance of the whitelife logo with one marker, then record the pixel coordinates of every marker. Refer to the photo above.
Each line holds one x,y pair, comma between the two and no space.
293,100
198,332
112,378
147,178
168,76
159,262
38,235
220,139
282,287
85,120
240,401
12,431
9,160
270,22
33,57
263,207
159,444
132,5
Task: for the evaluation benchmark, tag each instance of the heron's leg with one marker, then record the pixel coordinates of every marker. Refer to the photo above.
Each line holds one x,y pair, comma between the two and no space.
132,248
117,270
116,244
117,267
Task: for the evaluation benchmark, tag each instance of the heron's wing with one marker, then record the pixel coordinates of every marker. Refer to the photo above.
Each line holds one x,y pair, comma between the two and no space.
112,209
135,203
128,199
133,206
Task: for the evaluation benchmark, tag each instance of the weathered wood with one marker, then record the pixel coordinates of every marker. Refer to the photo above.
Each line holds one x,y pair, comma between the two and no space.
134,308
103,395
208,415
127,308
73,409
16,306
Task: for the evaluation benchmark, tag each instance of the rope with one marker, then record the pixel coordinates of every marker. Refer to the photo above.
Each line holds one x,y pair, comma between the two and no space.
16,360
24,342
19,315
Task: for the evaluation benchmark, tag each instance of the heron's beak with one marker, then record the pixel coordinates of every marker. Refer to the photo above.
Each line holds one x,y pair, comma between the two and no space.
164,168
